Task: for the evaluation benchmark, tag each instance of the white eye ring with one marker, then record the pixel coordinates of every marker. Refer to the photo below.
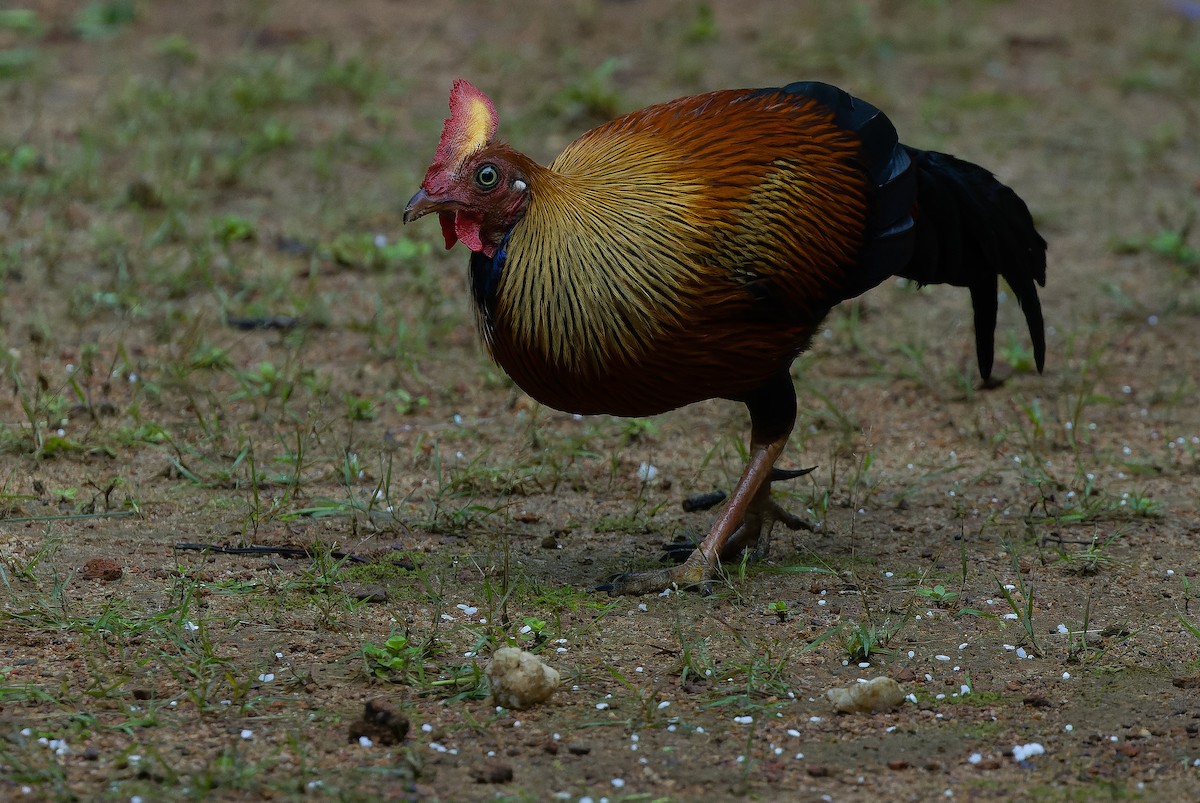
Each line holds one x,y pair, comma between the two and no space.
519,185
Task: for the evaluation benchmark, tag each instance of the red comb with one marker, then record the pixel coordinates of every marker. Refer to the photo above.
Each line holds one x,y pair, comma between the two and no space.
470,126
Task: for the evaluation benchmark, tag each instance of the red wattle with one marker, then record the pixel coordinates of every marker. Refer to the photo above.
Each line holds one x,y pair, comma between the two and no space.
447,221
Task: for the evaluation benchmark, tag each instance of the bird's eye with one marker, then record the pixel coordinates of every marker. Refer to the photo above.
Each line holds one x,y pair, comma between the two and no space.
487,176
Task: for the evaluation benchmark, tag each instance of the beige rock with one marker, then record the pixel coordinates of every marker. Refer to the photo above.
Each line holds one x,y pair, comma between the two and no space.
877,694
519,679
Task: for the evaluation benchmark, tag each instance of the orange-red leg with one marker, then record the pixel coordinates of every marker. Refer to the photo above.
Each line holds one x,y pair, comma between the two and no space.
747,518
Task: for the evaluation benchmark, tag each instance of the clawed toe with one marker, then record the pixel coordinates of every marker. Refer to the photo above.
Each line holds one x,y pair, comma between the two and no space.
788,519
689,575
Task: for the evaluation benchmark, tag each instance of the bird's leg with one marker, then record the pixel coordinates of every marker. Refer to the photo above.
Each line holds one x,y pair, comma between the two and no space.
747,518
761,516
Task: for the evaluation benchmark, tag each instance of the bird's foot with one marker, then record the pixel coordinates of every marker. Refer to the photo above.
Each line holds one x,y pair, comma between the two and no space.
698,571
691,574
754,533
768,513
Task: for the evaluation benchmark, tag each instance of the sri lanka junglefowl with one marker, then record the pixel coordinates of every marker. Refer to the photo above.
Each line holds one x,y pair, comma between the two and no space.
690,250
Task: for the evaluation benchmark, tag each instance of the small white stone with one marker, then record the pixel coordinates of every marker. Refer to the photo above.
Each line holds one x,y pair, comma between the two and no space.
1020,752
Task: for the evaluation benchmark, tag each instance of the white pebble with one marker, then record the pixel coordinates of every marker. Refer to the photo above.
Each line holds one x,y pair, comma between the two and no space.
1021,752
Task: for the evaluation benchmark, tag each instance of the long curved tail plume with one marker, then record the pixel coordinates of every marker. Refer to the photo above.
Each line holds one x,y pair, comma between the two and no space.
970,230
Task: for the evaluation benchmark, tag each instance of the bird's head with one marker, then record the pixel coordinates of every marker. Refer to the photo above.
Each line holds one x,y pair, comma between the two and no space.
478,188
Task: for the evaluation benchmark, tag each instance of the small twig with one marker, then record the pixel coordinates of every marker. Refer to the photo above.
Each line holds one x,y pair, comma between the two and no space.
286,551
112,514
284,322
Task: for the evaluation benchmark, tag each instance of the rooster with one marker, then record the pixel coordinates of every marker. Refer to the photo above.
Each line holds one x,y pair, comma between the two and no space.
690,250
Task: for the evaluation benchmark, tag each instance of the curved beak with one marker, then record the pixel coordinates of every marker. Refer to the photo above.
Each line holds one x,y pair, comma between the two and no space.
423,203
420,205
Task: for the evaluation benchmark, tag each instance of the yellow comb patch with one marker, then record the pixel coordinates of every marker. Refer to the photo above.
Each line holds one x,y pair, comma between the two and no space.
477,125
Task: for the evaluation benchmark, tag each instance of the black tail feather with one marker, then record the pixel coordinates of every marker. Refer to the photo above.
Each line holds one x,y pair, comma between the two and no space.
970,230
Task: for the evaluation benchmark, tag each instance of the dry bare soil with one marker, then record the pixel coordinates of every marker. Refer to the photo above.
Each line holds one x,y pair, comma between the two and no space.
215,331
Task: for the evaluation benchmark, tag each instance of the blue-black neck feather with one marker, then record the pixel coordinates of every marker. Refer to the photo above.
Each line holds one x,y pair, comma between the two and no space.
485,278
